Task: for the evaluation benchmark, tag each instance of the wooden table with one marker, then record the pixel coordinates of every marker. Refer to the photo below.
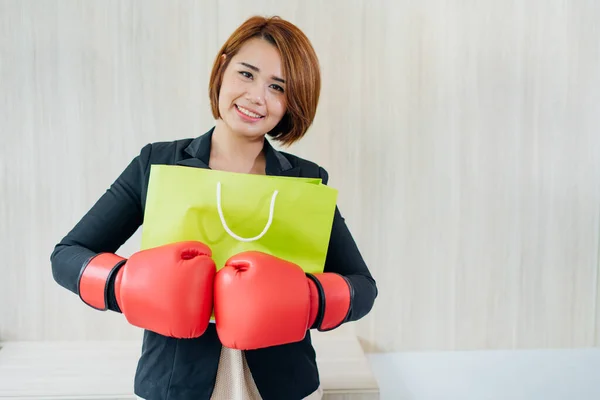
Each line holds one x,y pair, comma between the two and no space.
103,370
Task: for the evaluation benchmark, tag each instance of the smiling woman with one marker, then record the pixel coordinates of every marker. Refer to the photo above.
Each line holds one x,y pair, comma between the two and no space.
265,81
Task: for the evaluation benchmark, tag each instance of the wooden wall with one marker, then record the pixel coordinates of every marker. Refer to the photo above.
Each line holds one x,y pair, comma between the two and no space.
463,136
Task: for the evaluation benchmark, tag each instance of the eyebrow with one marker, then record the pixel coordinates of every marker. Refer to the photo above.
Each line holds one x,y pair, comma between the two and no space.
252,67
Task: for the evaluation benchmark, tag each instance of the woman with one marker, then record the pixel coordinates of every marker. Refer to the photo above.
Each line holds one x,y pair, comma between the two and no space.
265,81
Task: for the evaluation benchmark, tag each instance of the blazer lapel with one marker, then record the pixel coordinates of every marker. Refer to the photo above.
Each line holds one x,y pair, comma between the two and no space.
277,163
295,172
192,162
199,151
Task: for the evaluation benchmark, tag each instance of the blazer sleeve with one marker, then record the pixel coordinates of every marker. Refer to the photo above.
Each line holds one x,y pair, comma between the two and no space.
110,222
344,258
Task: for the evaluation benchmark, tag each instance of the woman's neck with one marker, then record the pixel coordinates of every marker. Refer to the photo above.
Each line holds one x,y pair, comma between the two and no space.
234,153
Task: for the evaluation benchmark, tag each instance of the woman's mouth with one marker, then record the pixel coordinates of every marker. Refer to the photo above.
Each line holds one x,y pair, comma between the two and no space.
247,114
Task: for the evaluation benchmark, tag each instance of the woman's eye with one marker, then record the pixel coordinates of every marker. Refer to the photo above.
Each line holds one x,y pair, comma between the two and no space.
277,87
246,74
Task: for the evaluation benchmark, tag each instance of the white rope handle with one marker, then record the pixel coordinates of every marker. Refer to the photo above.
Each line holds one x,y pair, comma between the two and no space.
230,232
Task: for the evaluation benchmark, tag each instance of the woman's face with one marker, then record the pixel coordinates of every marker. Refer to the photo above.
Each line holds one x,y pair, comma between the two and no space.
252,99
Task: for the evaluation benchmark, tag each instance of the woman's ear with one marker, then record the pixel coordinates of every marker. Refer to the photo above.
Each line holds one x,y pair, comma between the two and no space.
223,58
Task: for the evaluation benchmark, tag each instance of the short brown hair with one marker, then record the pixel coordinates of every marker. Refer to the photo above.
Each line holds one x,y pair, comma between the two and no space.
300,66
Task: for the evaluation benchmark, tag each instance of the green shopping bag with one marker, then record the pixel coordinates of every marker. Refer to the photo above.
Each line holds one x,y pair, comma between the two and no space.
287,217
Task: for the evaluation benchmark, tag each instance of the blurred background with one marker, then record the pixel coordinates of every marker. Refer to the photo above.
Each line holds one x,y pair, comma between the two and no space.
463,136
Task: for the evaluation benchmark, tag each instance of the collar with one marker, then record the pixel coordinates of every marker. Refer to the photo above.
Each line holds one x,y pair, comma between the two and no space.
199,152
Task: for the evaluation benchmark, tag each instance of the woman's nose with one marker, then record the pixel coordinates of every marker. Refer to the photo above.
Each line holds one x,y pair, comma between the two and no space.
256,94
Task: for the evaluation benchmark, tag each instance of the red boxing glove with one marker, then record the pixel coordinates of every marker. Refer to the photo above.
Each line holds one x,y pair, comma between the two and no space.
263,301
167,289
333,295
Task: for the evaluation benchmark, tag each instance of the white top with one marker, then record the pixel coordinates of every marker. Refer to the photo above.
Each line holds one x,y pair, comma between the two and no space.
235,382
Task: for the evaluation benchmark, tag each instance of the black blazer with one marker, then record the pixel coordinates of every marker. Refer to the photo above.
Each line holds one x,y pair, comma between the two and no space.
185,369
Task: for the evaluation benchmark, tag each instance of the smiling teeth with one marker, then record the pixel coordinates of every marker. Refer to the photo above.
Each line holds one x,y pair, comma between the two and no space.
248,113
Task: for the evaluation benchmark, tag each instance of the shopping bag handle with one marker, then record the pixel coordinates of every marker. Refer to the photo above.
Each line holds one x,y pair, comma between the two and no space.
230,232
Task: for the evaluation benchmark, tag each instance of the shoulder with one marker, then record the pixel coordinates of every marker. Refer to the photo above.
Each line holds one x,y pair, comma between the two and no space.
308,169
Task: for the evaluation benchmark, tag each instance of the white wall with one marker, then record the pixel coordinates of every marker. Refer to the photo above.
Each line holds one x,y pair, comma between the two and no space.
463,137
549,374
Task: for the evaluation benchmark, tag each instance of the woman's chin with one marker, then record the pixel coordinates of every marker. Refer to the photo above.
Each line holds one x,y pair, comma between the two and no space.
248,131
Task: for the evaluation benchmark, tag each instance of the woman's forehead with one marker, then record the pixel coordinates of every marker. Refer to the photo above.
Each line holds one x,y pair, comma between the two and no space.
262,55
